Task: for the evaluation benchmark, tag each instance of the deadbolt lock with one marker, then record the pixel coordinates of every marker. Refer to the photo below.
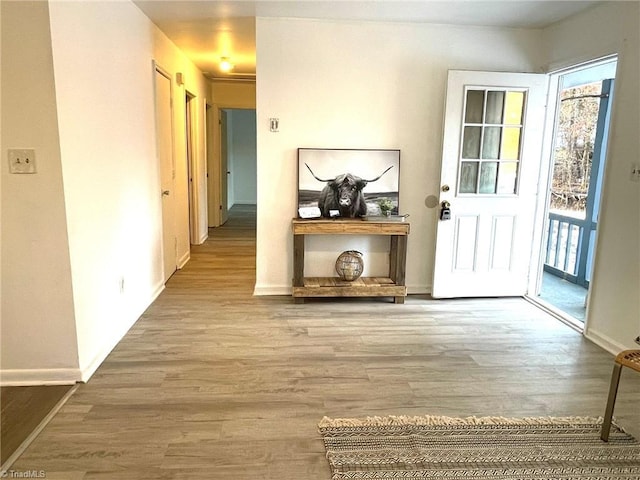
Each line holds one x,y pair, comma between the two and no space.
445,210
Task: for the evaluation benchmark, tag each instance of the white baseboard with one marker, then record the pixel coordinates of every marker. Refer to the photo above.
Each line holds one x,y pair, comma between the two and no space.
264,290
605,342
419,290
88,370
203,238
42,376
184,259
156,293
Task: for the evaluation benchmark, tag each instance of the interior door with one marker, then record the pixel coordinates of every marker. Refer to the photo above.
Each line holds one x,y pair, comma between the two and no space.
489,176
191,186
212,190
224,169
164,134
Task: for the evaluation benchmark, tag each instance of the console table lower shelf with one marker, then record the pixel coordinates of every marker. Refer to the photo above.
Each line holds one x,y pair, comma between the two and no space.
361,287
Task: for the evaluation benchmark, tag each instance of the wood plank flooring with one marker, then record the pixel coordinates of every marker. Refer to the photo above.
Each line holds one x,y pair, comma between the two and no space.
22,410
213,383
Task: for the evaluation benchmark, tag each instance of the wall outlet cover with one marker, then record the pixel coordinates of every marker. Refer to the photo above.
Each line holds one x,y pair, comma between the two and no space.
22,160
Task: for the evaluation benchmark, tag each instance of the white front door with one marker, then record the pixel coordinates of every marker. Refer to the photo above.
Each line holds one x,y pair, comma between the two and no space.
491,157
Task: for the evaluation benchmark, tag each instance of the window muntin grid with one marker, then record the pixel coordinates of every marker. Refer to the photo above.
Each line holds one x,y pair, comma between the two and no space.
491,146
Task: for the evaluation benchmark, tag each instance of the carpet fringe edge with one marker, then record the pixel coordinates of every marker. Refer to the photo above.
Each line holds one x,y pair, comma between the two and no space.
403,420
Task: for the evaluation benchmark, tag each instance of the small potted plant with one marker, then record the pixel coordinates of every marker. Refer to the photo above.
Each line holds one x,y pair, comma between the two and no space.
385,206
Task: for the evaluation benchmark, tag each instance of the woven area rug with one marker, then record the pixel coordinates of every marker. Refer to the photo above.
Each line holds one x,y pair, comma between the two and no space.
499,448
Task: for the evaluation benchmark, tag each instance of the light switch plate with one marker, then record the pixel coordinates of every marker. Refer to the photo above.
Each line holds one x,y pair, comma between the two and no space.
22,160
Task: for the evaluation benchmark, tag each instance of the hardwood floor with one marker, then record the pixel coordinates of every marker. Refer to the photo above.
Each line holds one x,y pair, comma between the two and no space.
22,410
213,383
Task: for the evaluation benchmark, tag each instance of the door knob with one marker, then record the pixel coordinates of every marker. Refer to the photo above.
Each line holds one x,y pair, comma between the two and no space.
445,188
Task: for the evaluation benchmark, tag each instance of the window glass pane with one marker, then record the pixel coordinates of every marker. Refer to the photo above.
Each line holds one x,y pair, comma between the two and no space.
513,109
510,143
496,136
468,177
507,176
488,177
495,104
471,142
475,103
491,143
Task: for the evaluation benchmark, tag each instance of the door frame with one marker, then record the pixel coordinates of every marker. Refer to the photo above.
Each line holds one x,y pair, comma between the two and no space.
157,69
214,162
224,165
190,153
544,186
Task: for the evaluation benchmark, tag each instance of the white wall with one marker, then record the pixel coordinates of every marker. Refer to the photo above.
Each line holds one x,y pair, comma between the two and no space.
613,27
107,143
38,321
362,85
103,53
242,156
81,239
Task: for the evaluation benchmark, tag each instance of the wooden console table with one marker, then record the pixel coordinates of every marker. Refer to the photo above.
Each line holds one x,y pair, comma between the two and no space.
391,286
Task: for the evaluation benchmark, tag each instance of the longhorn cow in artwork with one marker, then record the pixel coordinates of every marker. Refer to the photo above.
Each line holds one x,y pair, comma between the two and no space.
344,194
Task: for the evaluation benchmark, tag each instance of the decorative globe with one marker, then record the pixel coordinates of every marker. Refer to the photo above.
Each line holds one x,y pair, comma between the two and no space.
349,265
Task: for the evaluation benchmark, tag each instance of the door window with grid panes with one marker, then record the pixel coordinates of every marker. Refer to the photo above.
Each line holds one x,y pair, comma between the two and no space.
491,142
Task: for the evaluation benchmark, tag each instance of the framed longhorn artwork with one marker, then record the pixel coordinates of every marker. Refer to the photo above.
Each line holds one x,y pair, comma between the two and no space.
347,183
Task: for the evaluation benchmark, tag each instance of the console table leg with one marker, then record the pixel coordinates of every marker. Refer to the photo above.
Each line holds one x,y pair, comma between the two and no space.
393,257
298,260
400,259
397,262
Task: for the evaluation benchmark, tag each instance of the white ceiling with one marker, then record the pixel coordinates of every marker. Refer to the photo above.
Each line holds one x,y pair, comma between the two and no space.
207,30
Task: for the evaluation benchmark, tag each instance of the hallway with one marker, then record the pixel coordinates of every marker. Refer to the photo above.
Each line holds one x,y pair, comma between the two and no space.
214,383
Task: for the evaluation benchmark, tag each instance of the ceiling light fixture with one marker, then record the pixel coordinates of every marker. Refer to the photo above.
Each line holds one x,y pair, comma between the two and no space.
225,64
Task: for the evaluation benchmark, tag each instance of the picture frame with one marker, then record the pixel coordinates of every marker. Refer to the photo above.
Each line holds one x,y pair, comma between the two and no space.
348,183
